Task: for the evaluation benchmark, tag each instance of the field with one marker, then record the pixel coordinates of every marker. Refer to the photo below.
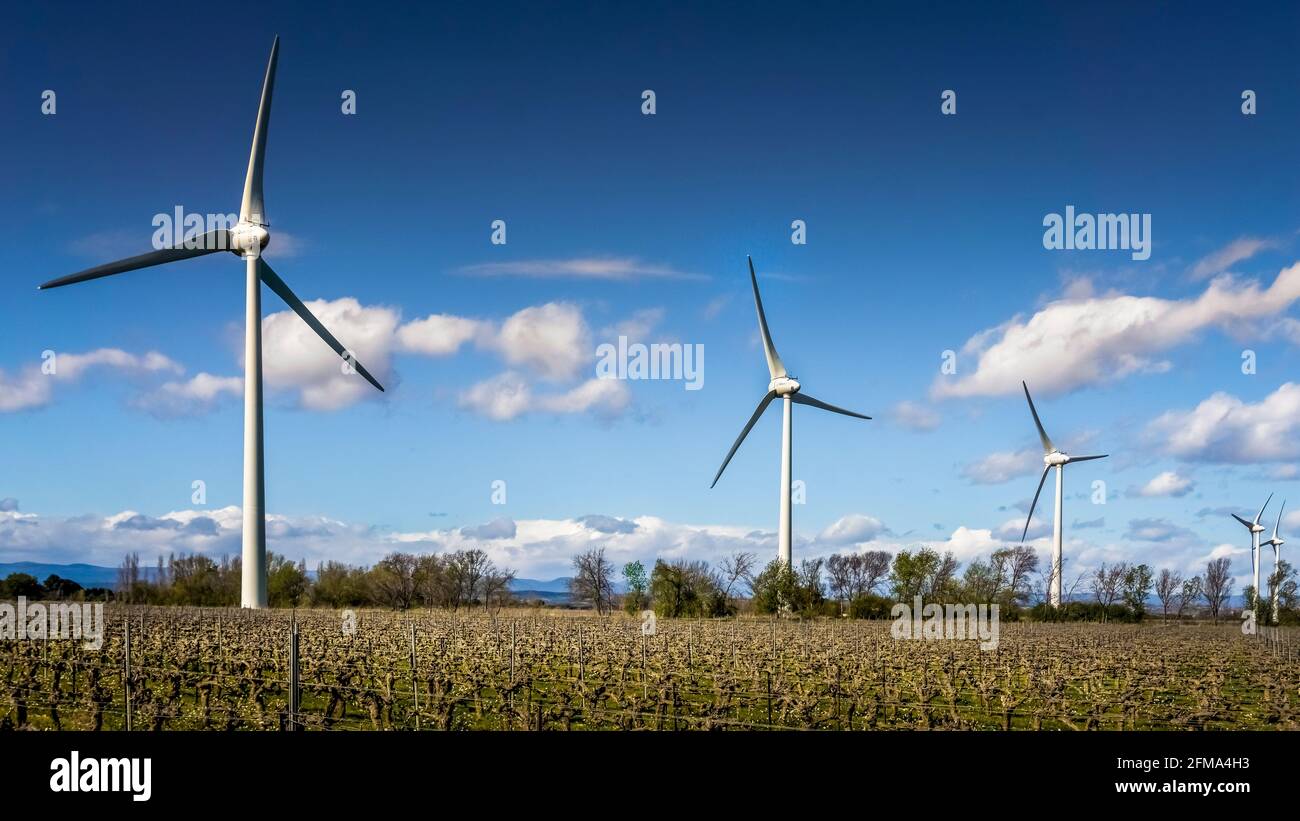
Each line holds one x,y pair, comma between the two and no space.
192,669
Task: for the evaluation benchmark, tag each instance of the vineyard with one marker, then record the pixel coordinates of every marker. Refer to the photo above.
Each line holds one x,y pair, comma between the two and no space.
167,668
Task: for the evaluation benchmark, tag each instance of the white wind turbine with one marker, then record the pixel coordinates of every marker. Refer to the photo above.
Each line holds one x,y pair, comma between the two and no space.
1255,529
1276,543
1052,458
786,387
246,239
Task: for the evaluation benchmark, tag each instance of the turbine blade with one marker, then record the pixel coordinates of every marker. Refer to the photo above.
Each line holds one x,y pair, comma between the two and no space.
1087,458
1048,447
1278,523
209,243
1261,510
774,365
1243,521
805,399
762,406
253,209
1034,504
291,299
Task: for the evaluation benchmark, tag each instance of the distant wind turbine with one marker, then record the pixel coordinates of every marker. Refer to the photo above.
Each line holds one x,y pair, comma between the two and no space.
1255,529
246,239
1052,458
1276,542
786,387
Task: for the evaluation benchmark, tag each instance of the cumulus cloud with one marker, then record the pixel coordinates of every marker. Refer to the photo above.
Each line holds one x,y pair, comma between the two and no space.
1158,530
1168,483
1085,524
606,524
914,416
33,387
551,339
538,548
595,268
1003,466
1224,428
8,505
509,395
1075,342
1239,250
636,327
503,528
199,393
439,334
1011,529
852,529
295,358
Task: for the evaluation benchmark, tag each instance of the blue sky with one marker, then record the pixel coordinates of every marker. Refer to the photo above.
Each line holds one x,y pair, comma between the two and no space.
924,234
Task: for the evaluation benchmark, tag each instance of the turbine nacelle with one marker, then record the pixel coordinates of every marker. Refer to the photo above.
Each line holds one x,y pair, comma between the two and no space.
784,385
1055,459
249,238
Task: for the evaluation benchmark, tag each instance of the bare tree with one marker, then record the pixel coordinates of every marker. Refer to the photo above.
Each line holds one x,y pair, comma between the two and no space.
737,567
593,580
394,580
1169,589
839,576
1106,583
1021,564
1216,587
496,588
1191,592
475,566
869,570
810,576
128,576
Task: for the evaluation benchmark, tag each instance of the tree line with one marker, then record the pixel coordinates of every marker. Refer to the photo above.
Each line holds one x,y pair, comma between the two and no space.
858,585
464,578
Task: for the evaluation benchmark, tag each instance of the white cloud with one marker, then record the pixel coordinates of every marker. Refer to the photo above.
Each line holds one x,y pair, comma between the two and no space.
509,395
551,339
540,548
1168,483
852,529
597,268
1223,428
1071,343
295,358
199,393
33,388
1159,530
1011,529
915,416
439,334
502,397
637,327
1239,250
1003,466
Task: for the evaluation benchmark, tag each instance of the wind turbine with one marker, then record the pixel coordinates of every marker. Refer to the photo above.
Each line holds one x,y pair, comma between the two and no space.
246,239
1255,529
787,387
1052,458
1276,542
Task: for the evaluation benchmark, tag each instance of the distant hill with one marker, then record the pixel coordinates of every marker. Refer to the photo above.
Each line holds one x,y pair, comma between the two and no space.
560,585
86,575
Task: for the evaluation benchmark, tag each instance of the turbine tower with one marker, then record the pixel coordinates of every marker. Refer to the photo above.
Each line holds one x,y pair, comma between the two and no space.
1276,542
1255,529
788,388
1052,458
246,239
